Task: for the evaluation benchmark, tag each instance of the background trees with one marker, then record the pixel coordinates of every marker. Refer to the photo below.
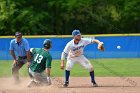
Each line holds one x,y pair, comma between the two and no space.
48,17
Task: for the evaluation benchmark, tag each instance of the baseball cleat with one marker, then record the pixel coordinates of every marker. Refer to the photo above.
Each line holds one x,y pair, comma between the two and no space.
94,84
32,83
66,84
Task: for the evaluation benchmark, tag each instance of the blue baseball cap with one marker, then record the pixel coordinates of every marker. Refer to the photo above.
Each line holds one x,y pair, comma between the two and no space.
76,32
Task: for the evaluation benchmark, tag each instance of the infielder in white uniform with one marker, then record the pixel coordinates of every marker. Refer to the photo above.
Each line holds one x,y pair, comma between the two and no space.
74,53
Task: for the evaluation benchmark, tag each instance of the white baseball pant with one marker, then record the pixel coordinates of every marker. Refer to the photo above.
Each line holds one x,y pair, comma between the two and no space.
80,59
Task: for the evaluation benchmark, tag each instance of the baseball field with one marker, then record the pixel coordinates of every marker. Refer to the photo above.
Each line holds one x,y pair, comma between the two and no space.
112,76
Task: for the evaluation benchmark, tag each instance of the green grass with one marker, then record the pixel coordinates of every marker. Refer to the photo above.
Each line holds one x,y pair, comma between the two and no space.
102,67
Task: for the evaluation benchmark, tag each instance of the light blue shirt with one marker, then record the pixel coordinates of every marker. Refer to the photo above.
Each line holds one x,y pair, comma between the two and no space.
19,48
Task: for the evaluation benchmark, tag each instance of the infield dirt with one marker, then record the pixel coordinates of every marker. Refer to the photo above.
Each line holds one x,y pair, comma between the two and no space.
77,85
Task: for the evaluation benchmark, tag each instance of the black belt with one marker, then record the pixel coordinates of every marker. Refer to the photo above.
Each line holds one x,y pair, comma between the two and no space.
22,57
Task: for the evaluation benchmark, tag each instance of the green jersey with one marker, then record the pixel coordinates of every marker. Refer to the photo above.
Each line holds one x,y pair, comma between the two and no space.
41,59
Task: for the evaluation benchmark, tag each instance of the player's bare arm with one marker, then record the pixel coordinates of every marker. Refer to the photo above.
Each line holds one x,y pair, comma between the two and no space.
62,60
100,44
62,64
48,71
13,55
28,58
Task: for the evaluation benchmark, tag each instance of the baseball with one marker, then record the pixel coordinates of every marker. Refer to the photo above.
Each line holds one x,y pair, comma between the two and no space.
118,47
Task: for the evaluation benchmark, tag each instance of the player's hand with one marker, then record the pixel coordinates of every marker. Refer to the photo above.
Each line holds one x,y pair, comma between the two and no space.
62,66
28,64
15,62
101,46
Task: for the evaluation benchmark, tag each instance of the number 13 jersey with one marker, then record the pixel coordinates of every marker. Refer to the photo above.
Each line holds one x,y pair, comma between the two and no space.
41,59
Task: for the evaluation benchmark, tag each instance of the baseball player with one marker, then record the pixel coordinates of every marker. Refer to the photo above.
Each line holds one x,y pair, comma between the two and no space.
40,62
21,47
74,53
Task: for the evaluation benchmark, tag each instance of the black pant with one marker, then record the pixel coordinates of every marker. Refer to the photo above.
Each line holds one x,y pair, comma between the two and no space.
15,70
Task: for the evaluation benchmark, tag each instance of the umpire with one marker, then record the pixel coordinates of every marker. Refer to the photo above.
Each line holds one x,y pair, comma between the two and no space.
19,49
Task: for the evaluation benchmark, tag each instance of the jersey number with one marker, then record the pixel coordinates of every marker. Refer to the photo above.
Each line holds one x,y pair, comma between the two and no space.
38,58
